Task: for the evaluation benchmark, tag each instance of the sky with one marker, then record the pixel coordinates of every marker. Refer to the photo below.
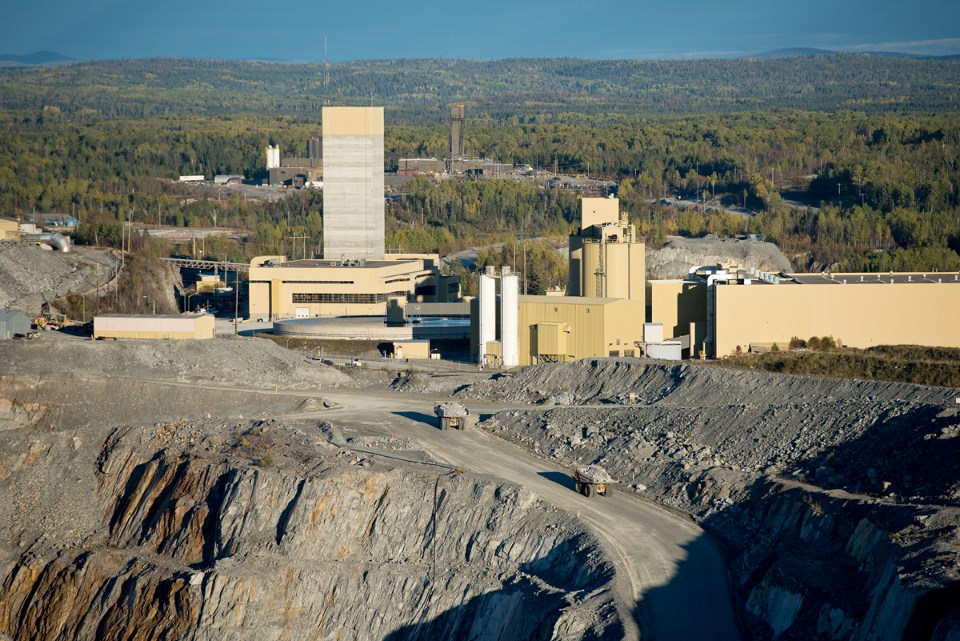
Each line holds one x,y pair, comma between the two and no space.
490,29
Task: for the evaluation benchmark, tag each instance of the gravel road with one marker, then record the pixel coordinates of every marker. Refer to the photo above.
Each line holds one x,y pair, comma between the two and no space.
672,578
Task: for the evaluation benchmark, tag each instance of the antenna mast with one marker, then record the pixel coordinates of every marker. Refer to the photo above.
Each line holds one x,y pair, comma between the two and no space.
326,73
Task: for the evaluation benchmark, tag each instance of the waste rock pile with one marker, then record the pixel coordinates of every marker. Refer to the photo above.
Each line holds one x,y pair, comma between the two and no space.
674,258
241,361
30,275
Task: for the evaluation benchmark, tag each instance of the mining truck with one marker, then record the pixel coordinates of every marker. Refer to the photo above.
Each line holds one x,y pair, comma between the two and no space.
452,415
593,479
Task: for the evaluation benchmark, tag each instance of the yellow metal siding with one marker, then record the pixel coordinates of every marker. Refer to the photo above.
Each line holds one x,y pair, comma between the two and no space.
859,314
597,326
676,303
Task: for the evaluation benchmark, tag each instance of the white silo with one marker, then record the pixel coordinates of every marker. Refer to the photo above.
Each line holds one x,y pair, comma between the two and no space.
509,318
487,330
273,156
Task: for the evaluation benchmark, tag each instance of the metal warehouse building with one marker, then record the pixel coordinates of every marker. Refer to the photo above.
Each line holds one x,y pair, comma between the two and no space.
728,309
13,322
150,326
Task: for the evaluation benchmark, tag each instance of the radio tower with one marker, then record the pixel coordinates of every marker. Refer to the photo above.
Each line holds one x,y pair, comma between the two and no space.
326,73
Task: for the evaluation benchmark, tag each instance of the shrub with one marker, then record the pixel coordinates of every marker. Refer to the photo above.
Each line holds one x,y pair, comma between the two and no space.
797,343
775,348
814,343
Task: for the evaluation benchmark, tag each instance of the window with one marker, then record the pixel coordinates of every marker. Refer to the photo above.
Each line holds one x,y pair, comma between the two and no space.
339,298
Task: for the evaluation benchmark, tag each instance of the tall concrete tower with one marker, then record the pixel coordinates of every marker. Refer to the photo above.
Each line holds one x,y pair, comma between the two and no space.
456,131
353,203
606,258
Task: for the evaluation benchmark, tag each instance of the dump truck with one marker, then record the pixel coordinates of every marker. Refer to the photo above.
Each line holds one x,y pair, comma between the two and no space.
593,479
452,415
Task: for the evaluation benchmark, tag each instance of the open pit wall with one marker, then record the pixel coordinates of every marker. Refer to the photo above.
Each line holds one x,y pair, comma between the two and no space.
838,501
182,538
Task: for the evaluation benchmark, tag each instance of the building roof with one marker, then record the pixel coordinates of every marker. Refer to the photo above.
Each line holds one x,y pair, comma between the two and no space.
569,300
7,314
876,278
353,264
189,315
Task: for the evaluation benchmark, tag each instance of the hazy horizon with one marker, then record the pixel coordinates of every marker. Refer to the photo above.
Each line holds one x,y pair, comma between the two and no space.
245,30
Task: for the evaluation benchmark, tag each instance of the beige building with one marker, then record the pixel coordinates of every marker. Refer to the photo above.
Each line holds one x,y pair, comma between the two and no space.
557,329
417,349
8,229
724,309
309,288
680,306
859,310
154,326
606,259
353,200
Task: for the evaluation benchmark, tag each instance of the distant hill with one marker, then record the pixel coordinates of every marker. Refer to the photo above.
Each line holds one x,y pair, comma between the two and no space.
32,59
800,52
526,90
794,52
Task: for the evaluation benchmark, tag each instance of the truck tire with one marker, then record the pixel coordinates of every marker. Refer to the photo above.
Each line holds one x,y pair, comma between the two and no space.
588,490
608,491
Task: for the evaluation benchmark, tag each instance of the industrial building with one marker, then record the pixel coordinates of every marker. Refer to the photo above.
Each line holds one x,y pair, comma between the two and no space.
13,323
310,288
606,259
154,326
9,229
353,201
563,329
727,310
296,172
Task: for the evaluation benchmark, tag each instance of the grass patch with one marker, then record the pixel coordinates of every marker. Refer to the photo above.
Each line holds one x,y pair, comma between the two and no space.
938,366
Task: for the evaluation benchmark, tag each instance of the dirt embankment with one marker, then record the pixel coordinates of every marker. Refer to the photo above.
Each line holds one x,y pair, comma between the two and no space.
838,499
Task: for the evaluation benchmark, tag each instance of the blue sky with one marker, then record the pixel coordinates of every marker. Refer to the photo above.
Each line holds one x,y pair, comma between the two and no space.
106,29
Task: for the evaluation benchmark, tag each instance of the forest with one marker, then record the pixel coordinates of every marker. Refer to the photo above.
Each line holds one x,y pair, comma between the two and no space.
846,162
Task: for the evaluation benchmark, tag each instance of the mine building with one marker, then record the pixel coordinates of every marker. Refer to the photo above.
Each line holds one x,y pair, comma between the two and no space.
318,287
601,315
726,310
154,326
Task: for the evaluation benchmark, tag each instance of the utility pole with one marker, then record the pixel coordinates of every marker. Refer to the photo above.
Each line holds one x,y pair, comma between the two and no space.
293,245
236,301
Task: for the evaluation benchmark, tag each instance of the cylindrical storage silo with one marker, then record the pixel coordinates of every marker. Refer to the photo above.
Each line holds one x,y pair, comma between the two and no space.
488,314
509,319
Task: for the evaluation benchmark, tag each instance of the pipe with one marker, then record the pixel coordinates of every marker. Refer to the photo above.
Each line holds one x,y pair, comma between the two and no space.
55,240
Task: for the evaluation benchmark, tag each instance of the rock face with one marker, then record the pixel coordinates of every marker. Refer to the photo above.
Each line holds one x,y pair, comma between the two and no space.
200,529
838,499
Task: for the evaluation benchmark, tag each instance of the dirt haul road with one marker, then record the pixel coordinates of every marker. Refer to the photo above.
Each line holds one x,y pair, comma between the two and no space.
672,577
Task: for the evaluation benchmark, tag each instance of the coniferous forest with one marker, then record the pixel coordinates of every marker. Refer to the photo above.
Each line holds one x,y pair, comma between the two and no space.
845,161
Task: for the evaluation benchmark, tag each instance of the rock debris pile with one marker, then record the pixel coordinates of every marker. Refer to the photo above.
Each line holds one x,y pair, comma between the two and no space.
247,361
30,275
674,258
